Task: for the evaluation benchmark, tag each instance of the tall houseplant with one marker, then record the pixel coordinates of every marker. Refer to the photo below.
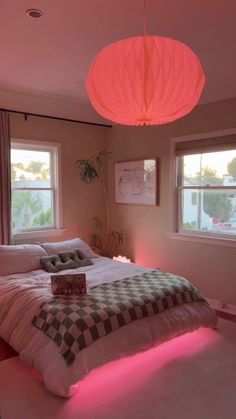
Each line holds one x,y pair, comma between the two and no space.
92,169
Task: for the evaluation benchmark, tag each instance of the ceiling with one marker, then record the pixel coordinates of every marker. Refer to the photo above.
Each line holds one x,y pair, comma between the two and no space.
44,63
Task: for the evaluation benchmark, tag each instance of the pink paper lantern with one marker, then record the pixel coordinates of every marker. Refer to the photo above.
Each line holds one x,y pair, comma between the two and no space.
145,80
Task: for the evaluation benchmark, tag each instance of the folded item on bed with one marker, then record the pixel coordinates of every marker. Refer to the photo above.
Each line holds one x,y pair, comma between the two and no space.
77,321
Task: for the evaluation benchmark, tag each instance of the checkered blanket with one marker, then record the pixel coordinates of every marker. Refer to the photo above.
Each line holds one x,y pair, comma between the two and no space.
74,322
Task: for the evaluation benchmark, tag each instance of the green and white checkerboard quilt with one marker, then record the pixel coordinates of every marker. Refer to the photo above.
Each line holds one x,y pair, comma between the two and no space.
74,322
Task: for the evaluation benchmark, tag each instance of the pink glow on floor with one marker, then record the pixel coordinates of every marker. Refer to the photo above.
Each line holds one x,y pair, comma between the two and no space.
119,379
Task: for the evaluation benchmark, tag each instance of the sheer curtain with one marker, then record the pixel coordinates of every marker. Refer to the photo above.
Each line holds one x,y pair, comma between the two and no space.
5,179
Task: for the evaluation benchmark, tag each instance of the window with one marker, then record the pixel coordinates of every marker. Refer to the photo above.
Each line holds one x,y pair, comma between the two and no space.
194,198
35,188
206,186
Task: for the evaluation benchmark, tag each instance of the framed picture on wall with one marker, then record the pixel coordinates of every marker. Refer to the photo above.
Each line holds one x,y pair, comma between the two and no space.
137,182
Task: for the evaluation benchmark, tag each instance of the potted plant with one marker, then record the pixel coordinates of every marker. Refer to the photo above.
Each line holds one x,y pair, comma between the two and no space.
92,169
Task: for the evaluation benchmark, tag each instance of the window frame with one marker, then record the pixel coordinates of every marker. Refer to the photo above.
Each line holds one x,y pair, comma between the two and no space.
175,203
55,160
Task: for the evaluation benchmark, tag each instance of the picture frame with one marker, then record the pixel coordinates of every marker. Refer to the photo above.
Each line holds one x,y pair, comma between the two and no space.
137,182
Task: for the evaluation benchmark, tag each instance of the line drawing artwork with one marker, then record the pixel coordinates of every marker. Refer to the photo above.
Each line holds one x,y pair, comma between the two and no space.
135,182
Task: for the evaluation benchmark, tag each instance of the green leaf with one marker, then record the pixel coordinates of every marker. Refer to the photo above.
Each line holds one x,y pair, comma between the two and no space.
115,239
97,224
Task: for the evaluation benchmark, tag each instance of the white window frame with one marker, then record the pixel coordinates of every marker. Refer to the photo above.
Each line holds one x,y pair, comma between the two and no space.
55,151
198,237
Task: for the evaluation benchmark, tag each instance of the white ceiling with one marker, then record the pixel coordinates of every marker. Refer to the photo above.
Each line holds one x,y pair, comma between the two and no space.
44,63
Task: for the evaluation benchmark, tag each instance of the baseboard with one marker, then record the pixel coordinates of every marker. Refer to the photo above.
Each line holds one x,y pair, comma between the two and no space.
225,310
226,316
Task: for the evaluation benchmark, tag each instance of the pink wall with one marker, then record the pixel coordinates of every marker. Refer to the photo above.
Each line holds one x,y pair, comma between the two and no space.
77,141
212,268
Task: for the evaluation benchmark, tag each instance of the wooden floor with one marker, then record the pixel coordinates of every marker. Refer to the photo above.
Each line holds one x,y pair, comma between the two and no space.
6,351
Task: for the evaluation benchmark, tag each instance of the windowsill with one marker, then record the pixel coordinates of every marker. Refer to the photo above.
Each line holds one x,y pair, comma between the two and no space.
218,241
38,234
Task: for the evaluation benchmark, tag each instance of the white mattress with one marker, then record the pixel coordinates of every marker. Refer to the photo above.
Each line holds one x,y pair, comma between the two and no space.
22,294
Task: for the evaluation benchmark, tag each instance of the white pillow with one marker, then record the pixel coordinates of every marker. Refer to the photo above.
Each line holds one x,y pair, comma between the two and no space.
68,245
20,258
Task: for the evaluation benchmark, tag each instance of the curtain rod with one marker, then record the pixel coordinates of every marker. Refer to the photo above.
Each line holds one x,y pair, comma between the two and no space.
76,121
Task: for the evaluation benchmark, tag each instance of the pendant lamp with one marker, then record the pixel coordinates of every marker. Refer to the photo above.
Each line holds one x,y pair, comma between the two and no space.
148,80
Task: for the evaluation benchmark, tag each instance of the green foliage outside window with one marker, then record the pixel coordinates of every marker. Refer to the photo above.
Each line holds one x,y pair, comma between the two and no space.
215,203
25,204
232,168
43,219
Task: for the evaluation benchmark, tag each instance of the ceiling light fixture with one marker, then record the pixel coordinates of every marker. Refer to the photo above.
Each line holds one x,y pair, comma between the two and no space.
146,79
34,13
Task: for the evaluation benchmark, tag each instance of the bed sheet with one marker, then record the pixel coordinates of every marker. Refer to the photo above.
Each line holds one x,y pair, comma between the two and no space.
22,294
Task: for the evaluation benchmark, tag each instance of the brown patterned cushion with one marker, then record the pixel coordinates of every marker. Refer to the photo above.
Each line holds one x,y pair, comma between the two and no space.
65,260
49,263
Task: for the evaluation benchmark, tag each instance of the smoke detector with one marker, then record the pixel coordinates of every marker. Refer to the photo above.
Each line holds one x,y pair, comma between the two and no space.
34,13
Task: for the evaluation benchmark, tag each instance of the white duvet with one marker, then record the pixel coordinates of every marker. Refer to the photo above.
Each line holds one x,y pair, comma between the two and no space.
22,294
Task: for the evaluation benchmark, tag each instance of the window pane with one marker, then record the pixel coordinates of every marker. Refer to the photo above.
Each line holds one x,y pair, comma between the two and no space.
32,209
210,169
30,168
211,210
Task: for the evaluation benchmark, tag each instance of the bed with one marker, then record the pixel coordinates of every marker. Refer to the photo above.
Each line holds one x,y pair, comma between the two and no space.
25,286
